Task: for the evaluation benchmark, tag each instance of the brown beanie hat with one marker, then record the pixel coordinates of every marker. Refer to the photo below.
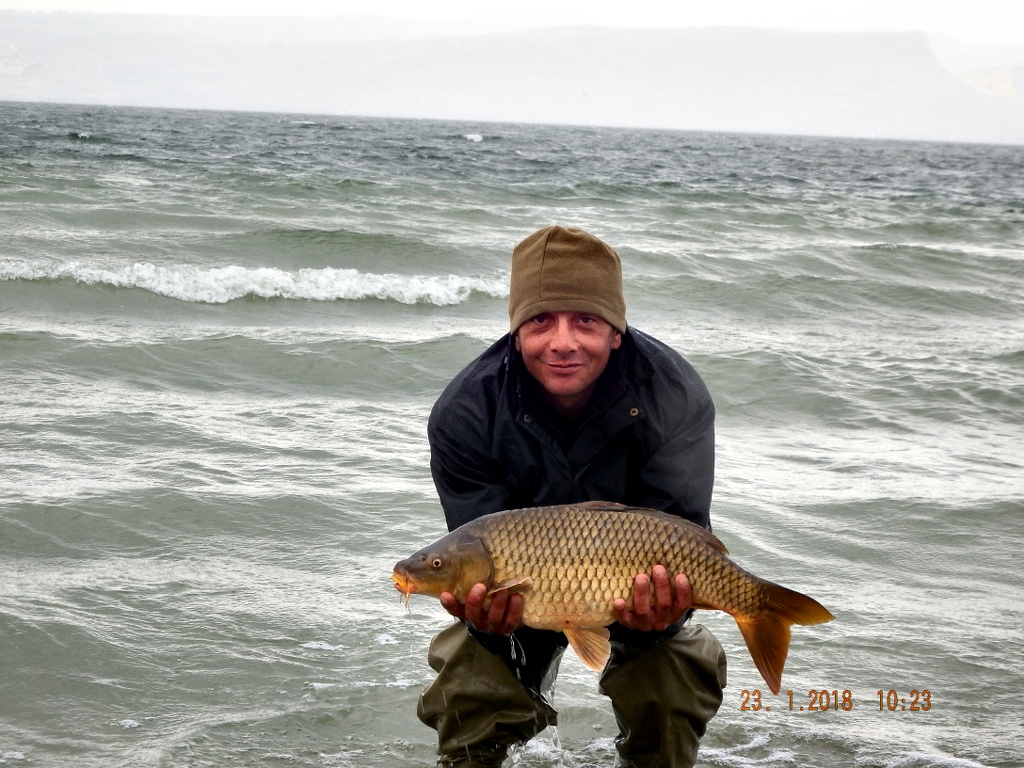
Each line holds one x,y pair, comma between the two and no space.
565,270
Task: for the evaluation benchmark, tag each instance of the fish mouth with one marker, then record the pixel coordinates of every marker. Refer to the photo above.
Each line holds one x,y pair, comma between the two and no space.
404,584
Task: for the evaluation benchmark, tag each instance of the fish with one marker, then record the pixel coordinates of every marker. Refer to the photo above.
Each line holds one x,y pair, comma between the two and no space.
571,561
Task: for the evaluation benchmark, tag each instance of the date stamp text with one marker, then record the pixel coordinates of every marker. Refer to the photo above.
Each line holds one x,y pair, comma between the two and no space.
836,700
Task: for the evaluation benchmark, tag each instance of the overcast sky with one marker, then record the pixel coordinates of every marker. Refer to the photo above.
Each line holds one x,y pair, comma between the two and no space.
993,21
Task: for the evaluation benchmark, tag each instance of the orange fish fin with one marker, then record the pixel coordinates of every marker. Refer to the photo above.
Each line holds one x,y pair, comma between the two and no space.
767,639
767,633
591,645
512,585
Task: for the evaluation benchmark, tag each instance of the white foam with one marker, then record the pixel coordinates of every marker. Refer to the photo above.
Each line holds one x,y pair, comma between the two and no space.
122,181
219,285
321,686
931,759
341,759
385,639
129,723
474,137
318,645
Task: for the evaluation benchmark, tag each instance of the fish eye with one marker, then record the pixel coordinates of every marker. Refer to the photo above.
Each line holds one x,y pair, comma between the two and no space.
436,562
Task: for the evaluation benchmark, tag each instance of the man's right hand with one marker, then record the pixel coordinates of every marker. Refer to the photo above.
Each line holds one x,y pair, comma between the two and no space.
503,616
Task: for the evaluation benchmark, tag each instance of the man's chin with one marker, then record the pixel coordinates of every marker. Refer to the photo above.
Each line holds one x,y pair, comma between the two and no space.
563,387
564,390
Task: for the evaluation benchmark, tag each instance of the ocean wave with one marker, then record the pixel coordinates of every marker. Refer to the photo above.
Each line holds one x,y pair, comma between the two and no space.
219,285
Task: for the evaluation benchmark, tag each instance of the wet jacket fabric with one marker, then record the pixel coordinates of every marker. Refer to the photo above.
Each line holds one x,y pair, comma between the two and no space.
646,438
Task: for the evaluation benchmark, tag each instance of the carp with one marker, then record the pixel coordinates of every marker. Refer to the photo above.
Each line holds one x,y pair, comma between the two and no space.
570,562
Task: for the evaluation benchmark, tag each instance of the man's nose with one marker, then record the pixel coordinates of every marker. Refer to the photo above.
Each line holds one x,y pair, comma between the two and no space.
563,339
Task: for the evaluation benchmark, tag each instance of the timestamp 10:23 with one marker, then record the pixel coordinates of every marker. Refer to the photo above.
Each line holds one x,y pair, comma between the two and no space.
824,700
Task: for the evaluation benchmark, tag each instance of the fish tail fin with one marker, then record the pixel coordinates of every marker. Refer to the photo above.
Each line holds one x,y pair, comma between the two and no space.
766,633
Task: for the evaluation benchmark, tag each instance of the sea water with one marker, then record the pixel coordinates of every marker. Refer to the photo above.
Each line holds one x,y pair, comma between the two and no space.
221,335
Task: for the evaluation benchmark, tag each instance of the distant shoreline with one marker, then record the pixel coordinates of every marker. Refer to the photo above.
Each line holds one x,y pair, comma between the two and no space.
477,125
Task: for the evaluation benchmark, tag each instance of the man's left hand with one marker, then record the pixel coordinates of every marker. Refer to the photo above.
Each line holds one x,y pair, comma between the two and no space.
671,601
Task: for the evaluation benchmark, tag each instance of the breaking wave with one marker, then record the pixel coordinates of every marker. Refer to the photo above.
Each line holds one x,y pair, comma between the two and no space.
219,285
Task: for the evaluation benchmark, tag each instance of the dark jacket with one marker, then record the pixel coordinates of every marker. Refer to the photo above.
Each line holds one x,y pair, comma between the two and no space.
646,438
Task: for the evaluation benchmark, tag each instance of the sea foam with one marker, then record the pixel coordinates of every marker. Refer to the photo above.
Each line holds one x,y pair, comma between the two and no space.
319,645
218,285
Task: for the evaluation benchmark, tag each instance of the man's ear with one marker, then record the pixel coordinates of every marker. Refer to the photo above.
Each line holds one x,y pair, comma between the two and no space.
616,340
519,347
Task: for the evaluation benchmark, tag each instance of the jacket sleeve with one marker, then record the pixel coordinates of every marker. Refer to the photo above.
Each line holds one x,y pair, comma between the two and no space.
680,473
467,481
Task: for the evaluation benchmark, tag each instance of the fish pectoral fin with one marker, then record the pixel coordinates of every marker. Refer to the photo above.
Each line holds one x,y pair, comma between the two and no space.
591,645
512,585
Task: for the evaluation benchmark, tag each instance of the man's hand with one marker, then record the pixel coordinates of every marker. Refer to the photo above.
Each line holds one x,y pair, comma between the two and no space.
671,601
503,616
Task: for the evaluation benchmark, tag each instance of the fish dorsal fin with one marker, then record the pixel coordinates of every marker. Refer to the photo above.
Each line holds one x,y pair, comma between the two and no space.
713,541
591,645
512,585
603,506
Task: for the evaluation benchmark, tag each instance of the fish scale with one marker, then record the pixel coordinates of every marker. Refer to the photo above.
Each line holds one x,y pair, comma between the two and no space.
571,562
577,573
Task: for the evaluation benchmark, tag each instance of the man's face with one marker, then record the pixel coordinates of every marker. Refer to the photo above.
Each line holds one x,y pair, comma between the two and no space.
566,352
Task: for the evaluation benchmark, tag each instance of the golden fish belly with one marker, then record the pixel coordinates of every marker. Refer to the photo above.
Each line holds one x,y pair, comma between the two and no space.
566,596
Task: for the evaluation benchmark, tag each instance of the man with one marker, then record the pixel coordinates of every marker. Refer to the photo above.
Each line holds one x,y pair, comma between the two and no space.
573,406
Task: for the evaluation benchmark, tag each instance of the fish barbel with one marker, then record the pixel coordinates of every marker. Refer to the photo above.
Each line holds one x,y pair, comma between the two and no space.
570,562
